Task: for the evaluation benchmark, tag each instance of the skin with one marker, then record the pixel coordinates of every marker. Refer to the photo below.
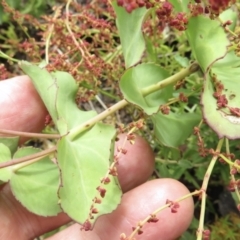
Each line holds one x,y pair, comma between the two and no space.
23,110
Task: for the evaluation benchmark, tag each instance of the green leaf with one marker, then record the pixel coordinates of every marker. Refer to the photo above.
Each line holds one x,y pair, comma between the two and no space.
11,143
136,78
173,129
58,90
183,61
183,163
129,26
83,163
5,155
203,35
231,15
227,71
36,185
151,52
180,5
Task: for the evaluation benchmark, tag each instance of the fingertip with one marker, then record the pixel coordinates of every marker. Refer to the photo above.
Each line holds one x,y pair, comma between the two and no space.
21,107
142,201
136,166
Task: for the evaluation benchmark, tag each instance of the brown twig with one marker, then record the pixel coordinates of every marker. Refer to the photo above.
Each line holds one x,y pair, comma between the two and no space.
27,158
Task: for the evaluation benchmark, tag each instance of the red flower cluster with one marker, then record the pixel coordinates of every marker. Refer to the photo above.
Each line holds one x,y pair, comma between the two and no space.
164,12
130,5
217,6
212,7
232,184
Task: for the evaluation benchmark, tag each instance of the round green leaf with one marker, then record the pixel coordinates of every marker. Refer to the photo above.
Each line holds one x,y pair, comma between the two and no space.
5,155
185,163
83,163
221,121
36,185
11,143
173,129
207,39
58,90
130,32
135,79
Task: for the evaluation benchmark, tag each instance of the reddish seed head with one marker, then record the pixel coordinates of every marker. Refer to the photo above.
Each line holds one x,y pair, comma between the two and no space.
231,186
97,200
183,98
106,180
94,211
235,111
229,22
238,207
153,219
131,137
102,191
233,171
87,225
222,101
206,234
196,130
165,109
113,171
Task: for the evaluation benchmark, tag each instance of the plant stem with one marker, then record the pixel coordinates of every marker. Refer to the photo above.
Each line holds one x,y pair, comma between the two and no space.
173,79
24,164
153,88
141,223
178,76
3,55
27,158
204,189
71,33
32,135
229,162
88,124
50,31
232,175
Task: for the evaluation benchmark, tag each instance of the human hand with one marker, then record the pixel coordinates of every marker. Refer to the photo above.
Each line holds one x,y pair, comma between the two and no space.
23,110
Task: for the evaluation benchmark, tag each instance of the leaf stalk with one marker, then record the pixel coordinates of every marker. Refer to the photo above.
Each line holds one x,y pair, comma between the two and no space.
170,80
153,88
28,158
204,189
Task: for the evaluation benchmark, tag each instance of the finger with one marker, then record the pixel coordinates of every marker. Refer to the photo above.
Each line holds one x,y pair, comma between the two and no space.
21,107
136,205
23,110
27,225
136,166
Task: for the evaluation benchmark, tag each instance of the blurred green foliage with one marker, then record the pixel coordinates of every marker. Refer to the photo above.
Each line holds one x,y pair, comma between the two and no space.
35,8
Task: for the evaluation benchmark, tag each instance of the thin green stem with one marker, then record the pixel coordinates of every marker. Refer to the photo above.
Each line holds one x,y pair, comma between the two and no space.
24,164
173,79
153,88
48,43
229,162
70,30
108,94
204,189
232,175
153,214
31,135
28,158
88,124
3,55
